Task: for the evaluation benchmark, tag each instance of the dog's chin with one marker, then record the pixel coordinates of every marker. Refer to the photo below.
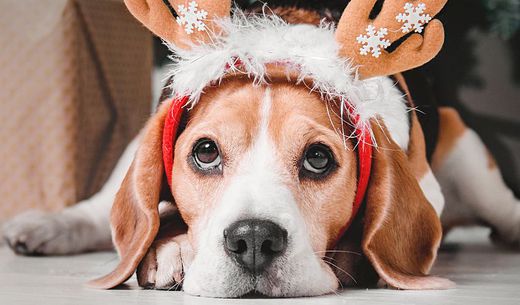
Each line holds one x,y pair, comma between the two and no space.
307,278
282,279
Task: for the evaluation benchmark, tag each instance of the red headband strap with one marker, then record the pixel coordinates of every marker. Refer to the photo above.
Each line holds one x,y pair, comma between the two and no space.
171,127
364,149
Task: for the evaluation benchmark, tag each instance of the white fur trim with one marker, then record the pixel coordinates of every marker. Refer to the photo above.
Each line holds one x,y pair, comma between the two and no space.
310,51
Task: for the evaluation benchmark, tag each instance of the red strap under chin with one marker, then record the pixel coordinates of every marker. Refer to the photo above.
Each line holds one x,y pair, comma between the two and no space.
364,149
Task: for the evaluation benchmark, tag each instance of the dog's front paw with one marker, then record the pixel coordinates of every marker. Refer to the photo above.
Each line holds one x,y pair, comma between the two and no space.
165,263
34,232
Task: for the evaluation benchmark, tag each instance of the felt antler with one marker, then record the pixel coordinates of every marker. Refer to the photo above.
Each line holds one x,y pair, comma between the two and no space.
194,20
364,40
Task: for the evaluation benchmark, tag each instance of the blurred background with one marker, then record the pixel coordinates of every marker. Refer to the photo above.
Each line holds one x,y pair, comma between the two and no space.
78,79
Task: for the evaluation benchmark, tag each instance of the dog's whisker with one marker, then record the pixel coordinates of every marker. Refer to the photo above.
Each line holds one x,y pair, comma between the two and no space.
339,269
176,284
328,257
339,251
334,291
340,284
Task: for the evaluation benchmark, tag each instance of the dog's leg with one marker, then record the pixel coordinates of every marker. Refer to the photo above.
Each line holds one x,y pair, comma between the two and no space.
79,228
472,183
165,263
169,256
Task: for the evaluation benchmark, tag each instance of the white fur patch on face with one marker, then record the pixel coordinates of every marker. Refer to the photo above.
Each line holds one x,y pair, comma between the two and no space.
258,191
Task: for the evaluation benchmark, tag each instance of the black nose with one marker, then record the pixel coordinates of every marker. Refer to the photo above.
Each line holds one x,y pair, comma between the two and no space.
254,243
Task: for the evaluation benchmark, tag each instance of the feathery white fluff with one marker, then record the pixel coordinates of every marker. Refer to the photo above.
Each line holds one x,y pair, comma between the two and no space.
309,51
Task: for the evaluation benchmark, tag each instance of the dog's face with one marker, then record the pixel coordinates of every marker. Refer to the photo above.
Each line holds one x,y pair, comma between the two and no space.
265,183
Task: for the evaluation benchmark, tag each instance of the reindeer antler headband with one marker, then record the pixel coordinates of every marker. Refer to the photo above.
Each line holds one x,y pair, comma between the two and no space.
343,63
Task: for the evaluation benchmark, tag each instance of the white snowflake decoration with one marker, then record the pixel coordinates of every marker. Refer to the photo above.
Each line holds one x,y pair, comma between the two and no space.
373,41
191,17
413,18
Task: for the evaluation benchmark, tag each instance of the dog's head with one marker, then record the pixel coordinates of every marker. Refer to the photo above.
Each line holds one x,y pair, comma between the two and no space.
265,171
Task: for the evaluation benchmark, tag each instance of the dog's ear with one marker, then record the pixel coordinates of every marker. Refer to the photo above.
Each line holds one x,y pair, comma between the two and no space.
401,232
135,216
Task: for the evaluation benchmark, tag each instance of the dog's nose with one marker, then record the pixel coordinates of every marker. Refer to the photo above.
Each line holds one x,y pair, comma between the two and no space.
254,243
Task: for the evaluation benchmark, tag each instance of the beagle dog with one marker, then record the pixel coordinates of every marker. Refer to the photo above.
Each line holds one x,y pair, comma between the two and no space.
286,160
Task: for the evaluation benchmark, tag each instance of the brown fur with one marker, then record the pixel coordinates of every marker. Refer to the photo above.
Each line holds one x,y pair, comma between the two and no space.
417,146
451,129
402,231
492,162
135,217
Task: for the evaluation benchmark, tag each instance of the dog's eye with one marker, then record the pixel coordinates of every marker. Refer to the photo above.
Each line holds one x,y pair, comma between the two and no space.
318,159
206,154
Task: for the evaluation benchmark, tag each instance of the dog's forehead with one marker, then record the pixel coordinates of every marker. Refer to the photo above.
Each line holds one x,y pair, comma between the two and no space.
239,101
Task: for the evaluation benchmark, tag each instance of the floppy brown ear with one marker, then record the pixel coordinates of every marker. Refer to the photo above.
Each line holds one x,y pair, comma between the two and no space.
401,231
135,216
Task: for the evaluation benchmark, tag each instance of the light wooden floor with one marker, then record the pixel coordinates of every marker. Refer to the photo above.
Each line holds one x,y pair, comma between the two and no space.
484,275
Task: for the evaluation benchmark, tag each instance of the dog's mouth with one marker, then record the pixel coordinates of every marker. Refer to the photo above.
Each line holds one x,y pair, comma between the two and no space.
255,295
265,263
281,279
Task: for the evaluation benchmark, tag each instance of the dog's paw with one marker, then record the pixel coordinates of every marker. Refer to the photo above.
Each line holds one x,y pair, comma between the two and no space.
165,264
508,236
36,233
505,240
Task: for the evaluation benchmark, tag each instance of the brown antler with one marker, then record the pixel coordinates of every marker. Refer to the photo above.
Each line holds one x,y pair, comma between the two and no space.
363,40
194,21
